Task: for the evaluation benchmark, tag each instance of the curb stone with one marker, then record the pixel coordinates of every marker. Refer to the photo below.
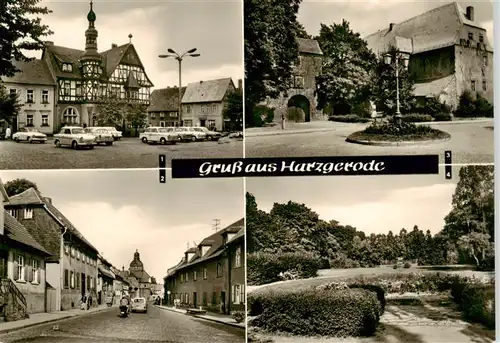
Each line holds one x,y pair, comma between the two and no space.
389,143
236,325
69,316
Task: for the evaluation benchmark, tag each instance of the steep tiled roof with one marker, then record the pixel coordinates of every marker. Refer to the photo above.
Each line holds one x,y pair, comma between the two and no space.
434,29
309,46
28,197
18,233
207,91
433,88
106,272
165,99
35,72
215,241
67,224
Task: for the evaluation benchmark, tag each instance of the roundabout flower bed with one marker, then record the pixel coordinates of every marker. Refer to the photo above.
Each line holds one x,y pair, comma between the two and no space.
397,132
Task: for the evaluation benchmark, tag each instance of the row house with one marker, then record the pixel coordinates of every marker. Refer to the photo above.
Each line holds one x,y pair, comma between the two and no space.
77,81
22,268
71,270
163,110
448,51
212,274
105,280
120,285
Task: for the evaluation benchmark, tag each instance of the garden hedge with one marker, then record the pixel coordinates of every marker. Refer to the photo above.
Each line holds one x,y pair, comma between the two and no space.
477,303
265,268
349,118
327,312
417,118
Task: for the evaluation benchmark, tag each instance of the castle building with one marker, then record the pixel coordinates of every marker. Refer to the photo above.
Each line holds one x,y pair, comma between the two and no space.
85,78
141,283
448,51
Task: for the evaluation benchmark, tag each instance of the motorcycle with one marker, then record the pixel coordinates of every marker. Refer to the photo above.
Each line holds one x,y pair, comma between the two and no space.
123,311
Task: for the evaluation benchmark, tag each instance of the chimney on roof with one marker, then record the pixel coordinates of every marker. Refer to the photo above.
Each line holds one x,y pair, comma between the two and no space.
469,13
391,26
240,84
114,45
48,43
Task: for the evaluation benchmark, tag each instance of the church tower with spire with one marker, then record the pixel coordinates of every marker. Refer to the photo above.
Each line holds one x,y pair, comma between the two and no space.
91,60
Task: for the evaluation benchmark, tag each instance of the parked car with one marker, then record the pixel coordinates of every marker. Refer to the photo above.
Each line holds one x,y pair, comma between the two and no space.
210,135
139,305
199,135
184,134
160,135
102,136
29,134
75,137
117,135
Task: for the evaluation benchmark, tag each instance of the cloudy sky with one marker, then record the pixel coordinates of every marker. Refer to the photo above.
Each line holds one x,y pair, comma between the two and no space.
373,204
121,211
380,13
212,26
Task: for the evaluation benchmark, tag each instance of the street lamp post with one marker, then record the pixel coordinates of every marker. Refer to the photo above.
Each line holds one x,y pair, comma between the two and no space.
398,57
179,58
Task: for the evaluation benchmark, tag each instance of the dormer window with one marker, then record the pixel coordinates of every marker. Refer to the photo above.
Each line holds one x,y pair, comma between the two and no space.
204,249
67,67
28,213
72,252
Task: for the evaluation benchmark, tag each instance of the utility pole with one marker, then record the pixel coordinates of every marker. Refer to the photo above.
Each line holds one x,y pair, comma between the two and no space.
216,224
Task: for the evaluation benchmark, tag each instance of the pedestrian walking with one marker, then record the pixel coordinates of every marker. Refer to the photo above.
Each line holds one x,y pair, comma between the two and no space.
8,133
90,302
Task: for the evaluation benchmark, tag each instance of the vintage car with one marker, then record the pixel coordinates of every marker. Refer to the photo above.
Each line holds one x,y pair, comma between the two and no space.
102,136
210,135
29,134
139,305
160,135
184,133
75,137
117,135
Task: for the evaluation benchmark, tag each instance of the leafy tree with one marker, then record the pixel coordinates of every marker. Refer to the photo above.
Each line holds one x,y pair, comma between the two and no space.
472,203
347,65
136,115
475,245
110,112
9,105
271,49
233,111
301,31
21,30
384,85
18,186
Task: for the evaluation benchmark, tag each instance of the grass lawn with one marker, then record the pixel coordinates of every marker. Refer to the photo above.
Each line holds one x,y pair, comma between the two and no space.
331,275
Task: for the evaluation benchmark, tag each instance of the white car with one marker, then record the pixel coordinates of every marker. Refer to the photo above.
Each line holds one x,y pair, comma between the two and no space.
117,135
199,135
30,135
139,305
102,136
75,137
210,135
160,135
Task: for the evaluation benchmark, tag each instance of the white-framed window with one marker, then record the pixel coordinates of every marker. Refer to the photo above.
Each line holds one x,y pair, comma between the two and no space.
187,277
12,92
67,67
182,278
236,294
14,213
20,268
30,96
237,257
29,120
28,213
66,249
72,252
187,298
35,271
45,120
204,273
72,279
45,96
219,269
188,109
194,275
78,254
70,116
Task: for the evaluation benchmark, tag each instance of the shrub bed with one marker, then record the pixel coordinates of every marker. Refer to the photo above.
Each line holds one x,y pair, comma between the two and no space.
398,132
477,303
349,118
443,117
417,118
265,268
327,312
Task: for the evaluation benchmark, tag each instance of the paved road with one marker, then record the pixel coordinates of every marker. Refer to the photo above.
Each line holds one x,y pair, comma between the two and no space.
127,153
107,327
470,143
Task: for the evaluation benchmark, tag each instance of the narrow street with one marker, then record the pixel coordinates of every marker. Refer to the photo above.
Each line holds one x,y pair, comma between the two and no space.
156,325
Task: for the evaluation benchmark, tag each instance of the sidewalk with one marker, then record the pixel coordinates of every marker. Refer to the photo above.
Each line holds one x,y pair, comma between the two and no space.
218,318
44,318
